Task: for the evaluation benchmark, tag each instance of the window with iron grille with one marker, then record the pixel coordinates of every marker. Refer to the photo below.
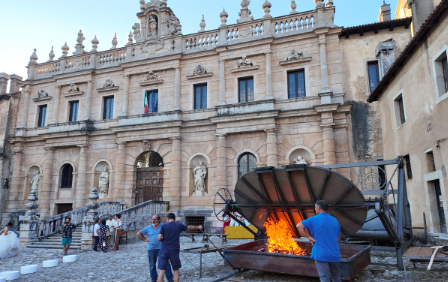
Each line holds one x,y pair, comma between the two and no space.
67,176
407,163
195,221
374,76
74,107
108,111
246,163
200,96
42,116
246,89
296,84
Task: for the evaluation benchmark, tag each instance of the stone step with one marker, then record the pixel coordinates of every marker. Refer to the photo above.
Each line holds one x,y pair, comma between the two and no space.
74,243
51,246
59,240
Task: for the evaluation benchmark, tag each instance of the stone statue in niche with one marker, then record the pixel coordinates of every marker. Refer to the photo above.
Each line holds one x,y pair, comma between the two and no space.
301,160
199,70
72,88
151,76
293,55
103,183
244,62
108,84
42,93
35,183
152,27
200,172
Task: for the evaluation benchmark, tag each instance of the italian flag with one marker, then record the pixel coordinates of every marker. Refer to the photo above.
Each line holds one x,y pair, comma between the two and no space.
146,103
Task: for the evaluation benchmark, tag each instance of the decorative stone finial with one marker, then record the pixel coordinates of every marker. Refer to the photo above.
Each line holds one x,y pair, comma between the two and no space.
319,3
267,9
51,55
142,4
31,207
202,24
163,4
245,13
330,3
79,48
65,49
95,43
293,7
224,15
130,38
93,205
33,58
114,42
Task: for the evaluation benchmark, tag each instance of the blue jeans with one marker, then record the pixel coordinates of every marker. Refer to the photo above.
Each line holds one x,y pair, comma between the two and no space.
152,256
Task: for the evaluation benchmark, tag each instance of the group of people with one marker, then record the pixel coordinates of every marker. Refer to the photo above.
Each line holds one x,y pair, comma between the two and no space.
9,243
105,233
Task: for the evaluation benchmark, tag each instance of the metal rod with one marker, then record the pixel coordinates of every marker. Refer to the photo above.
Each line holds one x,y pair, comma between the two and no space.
400,204
324,186
349,165
296,196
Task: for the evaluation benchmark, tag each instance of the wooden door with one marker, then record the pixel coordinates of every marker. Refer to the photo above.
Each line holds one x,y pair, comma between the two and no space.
62,208
149,185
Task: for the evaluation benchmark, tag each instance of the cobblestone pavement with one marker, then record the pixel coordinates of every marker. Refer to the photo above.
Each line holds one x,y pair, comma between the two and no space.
130,263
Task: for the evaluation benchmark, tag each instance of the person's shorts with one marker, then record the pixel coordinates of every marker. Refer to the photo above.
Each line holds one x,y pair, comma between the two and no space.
171,256
66,241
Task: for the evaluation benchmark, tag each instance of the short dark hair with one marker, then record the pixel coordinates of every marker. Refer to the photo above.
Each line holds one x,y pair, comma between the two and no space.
322,204
103,222
171,216
118,215
67,217
9,224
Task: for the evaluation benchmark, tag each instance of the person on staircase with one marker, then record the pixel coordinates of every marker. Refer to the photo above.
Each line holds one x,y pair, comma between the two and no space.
154,246
67,231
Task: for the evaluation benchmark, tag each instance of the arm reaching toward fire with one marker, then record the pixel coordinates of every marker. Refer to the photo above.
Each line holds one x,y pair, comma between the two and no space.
303,231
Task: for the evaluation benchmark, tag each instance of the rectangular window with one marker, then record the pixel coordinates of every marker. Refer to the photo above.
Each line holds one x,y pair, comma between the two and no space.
445,72
407,163
108,111
200,96
430,164
401,108
246,89
400,116
374,75
42,116
153,101
296,84
74,107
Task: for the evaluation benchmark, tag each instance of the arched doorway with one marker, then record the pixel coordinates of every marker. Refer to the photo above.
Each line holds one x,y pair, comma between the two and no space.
149,166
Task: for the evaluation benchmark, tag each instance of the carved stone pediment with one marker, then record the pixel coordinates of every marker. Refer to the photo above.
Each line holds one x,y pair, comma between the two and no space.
198,72
73,90
295,57
244,64
151,78
108,85
42,96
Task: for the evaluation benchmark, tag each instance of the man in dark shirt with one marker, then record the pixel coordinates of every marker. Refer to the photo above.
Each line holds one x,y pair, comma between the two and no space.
67,230
169,252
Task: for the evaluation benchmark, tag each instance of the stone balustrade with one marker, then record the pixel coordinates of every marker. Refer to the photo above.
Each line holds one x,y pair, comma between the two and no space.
111,58
292,24
52,225
201,41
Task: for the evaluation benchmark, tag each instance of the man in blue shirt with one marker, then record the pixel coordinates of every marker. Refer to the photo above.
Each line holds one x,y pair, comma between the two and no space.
326,235
169,252
154,245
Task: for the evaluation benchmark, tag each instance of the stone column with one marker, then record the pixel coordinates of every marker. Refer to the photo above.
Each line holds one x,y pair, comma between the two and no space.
175,174
323,62
88,100
26,104
176,89
269,94
56,104
125,95
16,181
221,164
271,147
45,190
119,172
222,83
328,145
82,176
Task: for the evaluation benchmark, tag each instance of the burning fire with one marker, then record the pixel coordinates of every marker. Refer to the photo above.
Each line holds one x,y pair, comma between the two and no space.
280,239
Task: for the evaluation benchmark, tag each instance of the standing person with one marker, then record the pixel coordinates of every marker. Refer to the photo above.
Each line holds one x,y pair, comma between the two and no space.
117,227
9,243
169,252
67,230
110,223
226,223
154,245
326,235
104,244
96,233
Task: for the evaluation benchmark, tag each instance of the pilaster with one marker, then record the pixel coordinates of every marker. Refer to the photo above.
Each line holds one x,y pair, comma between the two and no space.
45,190
56,104
125,96
82,176
269,95
175,185
221,165
119,172
176,89
271,144
88,100
323,60
26,104
222,83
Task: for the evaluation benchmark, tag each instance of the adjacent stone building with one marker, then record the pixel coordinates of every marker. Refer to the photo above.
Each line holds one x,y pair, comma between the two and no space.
412,99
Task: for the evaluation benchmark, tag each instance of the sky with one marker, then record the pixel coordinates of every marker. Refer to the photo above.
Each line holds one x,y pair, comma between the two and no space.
29,24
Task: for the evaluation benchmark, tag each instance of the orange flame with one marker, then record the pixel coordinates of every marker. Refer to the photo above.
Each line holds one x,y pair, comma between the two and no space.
280,239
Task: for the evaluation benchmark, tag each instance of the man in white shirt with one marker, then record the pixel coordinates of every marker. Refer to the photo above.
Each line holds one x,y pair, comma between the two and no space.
110,222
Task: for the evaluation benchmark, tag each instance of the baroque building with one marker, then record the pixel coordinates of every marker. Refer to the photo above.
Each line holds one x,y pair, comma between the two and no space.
177,117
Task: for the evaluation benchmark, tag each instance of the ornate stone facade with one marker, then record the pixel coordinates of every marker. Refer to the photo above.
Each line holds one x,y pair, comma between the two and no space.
166,67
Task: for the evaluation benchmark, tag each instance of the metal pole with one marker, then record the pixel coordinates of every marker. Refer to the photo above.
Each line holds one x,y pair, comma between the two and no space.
200,265
400,205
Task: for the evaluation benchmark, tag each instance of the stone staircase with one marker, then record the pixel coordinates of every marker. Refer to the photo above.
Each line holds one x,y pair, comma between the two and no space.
55,241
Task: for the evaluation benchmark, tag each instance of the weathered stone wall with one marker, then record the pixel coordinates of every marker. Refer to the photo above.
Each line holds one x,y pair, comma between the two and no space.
426,116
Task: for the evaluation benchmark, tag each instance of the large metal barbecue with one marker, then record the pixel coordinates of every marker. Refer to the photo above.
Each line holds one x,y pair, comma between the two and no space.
290,194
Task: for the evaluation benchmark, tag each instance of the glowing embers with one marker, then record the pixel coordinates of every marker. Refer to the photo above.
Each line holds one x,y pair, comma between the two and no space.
280,239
